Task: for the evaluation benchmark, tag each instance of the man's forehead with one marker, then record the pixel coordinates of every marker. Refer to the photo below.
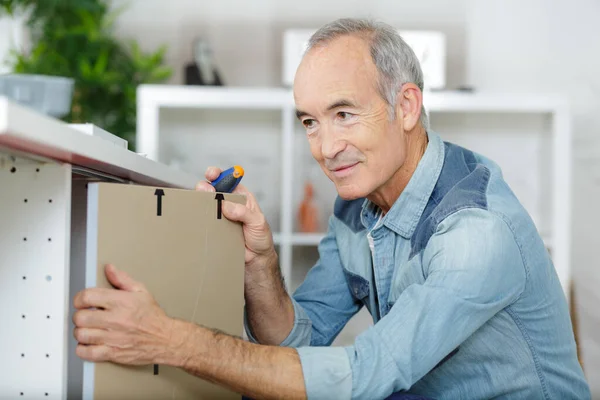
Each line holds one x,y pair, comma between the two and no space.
336,53
341,65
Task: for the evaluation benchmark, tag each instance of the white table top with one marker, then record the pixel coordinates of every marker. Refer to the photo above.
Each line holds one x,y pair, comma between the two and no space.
25,131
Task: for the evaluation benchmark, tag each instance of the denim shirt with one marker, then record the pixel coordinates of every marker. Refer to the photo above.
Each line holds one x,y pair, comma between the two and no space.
465,300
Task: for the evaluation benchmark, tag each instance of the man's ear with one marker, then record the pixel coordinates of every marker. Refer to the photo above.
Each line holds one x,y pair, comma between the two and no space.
408,105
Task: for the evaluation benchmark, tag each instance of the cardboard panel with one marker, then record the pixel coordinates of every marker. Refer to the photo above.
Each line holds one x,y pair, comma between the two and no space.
173,241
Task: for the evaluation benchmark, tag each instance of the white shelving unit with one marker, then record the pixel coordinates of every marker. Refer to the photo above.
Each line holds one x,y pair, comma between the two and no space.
547,195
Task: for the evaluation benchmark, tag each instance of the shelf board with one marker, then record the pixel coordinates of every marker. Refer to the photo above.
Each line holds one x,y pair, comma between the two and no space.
26,131
452,101
231,97
213,97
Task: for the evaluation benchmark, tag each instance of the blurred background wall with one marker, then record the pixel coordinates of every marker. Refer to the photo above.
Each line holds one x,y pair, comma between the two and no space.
252,31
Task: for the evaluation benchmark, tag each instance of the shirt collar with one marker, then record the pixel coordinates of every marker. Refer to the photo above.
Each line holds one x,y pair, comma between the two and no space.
408,208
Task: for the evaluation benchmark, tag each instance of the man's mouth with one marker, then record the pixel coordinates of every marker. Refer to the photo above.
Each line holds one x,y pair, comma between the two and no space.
343,170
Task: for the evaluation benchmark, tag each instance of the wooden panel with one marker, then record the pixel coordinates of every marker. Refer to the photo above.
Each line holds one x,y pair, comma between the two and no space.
192,262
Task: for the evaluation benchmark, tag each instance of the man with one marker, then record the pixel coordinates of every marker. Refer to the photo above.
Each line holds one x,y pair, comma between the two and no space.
425,234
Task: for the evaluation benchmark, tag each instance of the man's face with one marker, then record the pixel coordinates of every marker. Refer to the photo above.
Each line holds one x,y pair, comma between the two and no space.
347,121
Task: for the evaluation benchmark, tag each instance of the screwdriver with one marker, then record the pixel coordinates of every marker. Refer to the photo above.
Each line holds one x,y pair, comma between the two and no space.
228,179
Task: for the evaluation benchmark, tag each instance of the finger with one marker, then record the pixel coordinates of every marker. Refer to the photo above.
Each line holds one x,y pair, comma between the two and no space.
212,173
241,189
97,297
242,213
98,319
90,335
250,198
205,187
122,280
95,353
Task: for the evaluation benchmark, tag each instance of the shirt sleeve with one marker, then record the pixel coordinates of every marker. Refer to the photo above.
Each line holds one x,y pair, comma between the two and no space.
473,268
323,303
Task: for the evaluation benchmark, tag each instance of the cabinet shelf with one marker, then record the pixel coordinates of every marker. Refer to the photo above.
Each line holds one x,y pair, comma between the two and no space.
213,97
177,96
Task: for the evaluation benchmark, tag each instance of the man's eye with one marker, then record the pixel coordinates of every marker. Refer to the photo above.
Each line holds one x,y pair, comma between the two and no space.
344,115
308,123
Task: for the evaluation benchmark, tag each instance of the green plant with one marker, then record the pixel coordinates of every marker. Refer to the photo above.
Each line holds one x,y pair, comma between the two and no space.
74,38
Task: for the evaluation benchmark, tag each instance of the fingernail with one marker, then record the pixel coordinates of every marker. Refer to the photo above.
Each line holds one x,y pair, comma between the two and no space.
111,267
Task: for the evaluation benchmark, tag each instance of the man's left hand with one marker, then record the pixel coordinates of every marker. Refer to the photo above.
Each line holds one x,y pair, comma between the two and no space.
124,325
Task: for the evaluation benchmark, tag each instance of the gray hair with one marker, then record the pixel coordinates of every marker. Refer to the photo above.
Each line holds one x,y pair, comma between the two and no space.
395,61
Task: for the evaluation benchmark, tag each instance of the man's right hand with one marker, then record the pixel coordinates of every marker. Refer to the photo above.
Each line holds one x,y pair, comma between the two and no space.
258,238
268,306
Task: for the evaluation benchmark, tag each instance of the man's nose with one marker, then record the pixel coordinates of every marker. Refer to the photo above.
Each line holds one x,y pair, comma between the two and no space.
331,143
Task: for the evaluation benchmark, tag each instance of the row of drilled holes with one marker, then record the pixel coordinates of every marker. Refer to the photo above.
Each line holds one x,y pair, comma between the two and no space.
14,169
25,201
23,355
48,278
23,316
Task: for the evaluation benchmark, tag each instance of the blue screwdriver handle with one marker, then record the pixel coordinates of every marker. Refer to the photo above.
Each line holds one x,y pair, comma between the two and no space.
228,179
